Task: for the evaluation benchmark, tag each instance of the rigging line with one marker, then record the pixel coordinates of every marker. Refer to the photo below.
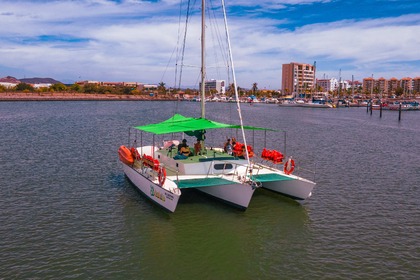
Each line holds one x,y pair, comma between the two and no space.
224,52
184,42
177,43
167,65
177,52
234,82
215,32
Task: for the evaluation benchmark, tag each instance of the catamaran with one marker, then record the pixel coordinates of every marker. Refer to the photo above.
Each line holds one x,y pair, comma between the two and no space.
161,174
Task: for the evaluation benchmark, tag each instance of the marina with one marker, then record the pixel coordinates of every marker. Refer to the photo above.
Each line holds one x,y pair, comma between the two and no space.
114,169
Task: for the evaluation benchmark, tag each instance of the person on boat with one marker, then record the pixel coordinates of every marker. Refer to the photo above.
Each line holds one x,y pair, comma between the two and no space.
233,142
181,145
228,147
197,148
183,150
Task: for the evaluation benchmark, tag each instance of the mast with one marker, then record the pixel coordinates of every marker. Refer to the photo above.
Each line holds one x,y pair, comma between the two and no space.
234,82
339,84
203,58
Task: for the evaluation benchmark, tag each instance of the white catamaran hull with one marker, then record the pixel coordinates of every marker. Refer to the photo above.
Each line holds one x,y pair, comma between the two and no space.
298,188
238,195
152,190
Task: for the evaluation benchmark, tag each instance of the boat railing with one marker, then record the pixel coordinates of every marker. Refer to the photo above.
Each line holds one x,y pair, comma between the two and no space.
301,170
239,171
298,171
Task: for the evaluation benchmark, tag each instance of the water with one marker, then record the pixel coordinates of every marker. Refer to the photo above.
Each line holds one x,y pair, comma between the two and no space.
67,210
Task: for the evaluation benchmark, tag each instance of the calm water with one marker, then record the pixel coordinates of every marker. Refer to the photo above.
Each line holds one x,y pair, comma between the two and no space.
67,210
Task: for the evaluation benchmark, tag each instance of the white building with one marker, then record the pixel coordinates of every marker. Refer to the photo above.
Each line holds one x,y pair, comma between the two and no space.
8,85
37,86
218,85
327,84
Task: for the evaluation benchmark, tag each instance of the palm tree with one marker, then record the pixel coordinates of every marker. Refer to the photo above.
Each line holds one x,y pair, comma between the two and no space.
254,88
162,88
231,90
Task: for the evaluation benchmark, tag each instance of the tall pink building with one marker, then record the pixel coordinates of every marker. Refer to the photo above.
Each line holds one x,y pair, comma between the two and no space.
297,78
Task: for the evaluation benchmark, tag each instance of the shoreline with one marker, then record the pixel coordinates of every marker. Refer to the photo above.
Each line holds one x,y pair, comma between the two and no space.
65,96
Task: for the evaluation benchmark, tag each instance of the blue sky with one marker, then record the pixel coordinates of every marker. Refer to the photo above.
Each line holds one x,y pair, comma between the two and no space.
133,40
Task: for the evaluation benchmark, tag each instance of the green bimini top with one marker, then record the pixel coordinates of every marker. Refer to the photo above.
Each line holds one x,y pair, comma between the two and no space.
180,123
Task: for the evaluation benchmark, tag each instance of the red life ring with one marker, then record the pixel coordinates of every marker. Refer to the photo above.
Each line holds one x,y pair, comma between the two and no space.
289,166
162,175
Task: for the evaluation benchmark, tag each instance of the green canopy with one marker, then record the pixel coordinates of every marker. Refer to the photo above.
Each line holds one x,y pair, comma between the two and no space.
180,123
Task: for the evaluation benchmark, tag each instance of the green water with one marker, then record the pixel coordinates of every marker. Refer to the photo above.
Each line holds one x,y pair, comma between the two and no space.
68,212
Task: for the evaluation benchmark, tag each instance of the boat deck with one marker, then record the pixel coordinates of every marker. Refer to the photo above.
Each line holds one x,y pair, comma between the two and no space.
209,155
270,177
202,182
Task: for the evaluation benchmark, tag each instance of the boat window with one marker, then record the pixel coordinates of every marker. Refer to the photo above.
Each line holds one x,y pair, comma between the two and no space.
221,166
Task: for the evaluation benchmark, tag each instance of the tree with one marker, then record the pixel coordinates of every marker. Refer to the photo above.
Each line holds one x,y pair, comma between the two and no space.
254,88
90,88
58,87
162,88
399,91
24,87
231,90
76,87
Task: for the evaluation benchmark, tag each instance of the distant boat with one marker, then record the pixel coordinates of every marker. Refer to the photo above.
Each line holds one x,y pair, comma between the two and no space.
405,106
305,104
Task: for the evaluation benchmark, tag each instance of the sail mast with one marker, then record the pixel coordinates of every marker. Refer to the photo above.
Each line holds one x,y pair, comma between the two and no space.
203,58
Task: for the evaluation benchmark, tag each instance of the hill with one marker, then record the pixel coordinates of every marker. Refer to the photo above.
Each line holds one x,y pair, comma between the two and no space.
39,81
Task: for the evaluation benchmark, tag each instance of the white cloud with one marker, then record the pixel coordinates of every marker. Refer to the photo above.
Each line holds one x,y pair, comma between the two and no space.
103,40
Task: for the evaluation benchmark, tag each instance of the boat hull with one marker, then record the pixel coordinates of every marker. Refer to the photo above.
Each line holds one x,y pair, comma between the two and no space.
159,195
237,195
297,188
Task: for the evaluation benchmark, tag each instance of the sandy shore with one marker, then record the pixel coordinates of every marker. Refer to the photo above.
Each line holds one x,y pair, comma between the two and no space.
65,96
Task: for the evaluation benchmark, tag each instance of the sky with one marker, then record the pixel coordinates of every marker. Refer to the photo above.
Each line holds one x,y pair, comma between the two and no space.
139,41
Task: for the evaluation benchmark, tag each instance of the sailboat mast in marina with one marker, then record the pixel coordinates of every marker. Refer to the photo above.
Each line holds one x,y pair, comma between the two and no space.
203,59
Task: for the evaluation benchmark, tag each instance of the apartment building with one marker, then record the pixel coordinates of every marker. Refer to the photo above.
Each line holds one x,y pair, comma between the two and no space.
393,84
406,84
297,78
382,85
327,85
368,85
215,85
416,85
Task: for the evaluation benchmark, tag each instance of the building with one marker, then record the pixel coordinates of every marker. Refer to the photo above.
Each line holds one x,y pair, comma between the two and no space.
393,84
416,85
216,86
297,78
327,85
382,85
368,85
148,88
407,85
